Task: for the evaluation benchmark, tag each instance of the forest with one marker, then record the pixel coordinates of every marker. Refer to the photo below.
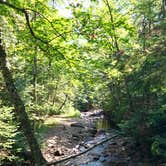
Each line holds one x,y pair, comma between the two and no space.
80,75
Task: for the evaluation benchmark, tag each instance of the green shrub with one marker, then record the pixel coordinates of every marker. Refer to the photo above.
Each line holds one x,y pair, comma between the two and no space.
148,128
8,134
158,125
42,110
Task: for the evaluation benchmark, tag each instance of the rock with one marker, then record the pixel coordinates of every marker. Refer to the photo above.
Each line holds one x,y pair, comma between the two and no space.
75,137
97,114
57,153
75,150
81,143
100,132
80,125
50,145
96,157
93,131
106,154
87,145
113,143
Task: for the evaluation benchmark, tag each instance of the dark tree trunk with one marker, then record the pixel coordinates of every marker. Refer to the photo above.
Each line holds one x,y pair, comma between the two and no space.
19,110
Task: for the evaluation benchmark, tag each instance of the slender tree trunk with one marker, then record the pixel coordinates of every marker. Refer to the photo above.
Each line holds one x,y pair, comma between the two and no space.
144,24
19,109
163,8
35,76
113,26
131,106
35,68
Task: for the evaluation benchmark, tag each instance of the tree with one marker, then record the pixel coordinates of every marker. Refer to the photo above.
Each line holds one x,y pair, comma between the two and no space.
19,109
107,54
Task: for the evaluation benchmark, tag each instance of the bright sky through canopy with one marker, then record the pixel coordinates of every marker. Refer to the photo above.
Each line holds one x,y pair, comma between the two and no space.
62,6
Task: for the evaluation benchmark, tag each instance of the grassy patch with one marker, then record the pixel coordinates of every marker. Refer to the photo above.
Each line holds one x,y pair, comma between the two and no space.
72,114
49,123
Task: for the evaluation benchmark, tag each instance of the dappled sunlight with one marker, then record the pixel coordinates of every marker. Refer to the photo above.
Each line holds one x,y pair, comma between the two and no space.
82,82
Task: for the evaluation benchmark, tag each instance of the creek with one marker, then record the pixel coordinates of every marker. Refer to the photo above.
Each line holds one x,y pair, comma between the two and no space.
96,156
103,123
89,141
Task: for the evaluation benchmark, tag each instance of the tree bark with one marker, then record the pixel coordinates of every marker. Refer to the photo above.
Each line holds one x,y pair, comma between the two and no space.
19,110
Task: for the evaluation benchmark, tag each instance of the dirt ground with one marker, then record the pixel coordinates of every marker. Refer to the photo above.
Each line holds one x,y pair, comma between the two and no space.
61,140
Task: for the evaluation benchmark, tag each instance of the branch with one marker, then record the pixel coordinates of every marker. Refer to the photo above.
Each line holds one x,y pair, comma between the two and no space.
11,5
64,102
113,24
30,28
81,153
25,12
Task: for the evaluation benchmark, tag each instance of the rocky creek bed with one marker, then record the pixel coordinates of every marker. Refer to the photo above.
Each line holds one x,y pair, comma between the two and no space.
98,145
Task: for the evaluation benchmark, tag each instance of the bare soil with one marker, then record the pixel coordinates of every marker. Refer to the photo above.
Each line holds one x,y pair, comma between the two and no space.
61,140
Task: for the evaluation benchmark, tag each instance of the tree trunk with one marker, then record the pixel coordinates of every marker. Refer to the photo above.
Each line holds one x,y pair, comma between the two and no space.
35,76
113,26
129,97
35,69
19,110
163,8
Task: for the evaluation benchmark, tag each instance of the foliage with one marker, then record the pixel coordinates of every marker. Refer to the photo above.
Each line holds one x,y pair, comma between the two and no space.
8,134
98,54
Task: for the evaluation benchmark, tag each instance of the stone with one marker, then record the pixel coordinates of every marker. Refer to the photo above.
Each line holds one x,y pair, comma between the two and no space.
57,153
75,137
93,131
96,157
100,132
80,125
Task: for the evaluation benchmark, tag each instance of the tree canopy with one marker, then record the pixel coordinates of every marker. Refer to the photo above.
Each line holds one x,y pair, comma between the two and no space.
68,56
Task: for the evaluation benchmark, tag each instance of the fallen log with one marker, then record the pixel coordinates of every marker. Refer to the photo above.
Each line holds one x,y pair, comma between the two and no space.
53,163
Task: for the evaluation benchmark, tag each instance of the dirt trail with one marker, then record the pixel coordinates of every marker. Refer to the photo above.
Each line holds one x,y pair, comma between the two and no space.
62,139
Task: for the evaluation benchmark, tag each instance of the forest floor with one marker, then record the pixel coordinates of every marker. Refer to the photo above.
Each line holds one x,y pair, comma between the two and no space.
71,136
